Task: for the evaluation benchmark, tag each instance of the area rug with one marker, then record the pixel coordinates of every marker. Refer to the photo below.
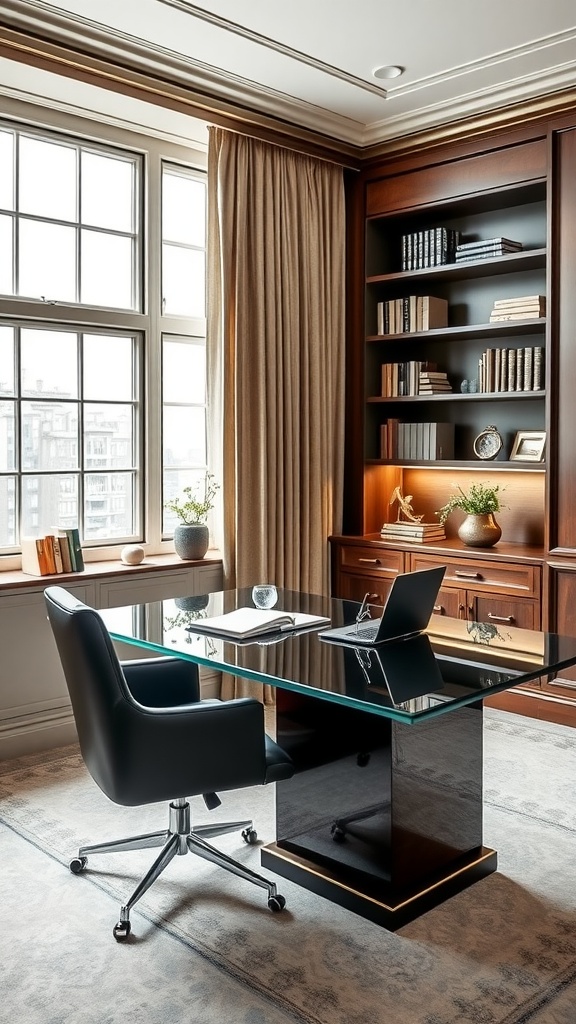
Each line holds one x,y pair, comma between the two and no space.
503,952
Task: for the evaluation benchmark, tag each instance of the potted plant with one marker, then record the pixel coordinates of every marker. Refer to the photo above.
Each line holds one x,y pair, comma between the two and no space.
479,529
191,534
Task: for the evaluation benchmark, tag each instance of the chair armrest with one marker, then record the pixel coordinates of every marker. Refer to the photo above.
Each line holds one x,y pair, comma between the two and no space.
162,682
203,748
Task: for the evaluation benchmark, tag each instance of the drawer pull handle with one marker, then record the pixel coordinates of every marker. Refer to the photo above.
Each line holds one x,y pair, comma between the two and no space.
467,575
370,561
439,609
502,618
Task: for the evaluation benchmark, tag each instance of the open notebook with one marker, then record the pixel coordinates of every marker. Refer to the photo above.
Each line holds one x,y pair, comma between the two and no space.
247,623
407,611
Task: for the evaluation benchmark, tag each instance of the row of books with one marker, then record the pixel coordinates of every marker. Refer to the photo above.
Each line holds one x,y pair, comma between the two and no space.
431,247
511,369
416,441
412,313
486,249
415,377
420,533
58,552
520,307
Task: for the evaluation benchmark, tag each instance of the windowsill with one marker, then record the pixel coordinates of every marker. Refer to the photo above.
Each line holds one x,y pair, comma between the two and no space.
16,579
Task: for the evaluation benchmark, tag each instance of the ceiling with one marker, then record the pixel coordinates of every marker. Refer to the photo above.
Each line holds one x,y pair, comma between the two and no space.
309,63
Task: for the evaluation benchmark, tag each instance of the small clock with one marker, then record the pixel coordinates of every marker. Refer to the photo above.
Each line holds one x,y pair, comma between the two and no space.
488,443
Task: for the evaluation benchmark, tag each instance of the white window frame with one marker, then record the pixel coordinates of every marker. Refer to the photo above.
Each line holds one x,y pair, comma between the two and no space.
149,322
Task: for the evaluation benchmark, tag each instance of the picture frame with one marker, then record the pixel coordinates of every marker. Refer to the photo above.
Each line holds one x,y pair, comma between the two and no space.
528,446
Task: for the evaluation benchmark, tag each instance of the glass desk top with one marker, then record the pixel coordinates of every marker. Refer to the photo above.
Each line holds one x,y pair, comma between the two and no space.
453,664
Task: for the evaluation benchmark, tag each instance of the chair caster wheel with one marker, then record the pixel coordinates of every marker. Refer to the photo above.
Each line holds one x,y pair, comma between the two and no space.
250,836
338,834
121,930
276,903
77,865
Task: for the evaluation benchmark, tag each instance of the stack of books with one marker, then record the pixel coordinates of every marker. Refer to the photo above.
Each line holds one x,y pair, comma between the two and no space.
428,442
433,382
520,308
486,249
421,533
58,552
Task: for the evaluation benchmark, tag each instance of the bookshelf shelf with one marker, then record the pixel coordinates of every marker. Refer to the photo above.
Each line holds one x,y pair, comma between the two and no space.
478,464
534,259
513,329
454,396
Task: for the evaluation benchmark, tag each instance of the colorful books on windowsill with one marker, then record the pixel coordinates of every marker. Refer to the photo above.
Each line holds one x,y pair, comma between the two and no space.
58,552
413,532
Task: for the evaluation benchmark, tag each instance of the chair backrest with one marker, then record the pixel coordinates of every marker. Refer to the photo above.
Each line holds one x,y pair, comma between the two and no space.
98,690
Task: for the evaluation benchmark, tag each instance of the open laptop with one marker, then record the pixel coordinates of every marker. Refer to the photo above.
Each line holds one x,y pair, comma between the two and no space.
406,613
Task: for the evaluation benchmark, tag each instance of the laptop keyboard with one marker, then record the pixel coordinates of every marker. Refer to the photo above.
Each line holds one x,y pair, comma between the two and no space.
368,632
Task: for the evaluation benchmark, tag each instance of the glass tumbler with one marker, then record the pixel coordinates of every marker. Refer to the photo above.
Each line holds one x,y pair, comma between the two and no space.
264,595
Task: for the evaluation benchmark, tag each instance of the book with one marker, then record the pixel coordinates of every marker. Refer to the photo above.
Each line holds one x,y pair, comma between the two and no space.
483,242
431,312
64,551
524,315
418,530
33,558
49,553
245,623
521,300
55,541
76,557
441,441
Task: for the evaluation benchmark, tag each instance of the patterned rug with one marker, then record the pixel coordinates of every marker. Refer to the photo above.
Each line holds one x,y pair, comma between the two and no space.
205,948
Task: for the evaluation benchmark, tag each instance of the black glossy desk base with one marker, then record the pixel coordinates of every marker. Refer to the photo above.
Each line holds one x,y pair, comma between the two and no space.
379,903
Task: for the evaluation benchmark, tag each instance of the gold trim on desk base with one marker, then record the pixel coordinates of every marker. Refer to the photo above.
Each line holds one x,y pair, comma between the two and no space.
388,908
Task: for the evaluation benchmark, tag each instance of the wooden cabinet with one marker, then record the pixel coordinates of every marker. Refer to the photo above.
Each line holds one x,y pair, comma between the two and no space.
481,590
359,568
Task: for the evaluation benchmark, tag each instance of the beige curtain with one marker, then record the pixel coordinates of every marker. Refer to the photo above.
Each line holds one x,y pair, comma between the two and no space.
276,237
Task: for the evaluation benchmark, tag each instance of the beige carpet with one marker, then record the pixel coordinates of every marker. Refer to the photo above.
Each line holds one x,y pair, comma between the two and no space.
503,952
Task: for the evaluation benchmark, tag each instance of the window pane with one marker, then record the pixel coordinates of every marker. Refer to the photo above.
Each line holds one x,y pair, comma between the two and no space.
184,371
109,505
47,180
108,436
183,209
107,191
183,281
6,360
49,435
49,363
7,437
174,483
49,503
109,367
6,257
106,270
184,437
6,171
7,511
47,261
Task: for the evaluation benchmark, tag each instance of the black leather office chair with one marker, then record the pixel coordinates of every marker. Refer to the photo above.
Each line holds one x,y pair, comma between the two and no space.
146,736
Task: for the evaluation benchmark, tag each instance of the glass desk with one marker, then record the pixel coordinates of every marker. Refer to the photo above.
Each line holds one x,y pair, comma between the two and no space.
384,812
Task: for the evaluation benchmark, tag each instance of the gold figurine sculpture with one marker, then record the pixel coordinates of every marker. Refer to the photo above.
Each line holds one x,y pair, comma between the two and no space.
404,507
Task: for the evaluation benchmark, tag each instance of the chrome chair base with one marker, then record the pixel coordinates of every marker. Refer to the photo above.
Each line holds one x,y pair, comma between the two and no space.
179,839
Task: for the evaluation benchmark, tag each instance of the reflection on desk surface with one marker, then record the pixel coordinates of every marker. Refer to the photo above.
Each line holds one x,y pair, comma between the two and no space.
454,663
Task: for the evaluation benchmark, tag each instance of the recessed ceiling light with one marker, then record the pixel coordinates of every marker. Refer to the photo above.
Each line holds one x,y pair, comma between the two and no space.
388,71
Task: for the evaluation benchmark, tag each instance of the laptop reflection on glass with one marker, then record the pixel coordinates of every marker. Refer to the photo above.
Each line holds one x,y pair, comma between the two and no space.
406,613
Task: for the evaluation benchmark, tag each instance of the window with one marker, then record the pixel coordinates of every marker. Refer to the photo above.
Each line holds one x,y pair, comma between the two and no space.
102,292
183,356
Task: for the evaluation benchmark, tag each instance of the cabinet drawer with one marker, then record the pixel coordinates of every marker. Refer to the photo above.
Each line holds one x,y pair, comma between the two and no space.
502,612
449,602
506,577
373,560
353,587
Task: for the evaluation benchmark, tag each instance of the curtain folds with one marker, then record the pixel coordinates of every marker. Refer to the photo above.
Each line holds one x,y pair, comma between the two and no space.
275,334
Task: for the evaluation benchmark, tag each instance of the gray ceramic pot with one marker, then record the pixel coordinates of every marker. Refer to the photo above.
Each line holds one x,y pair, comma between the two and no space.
191,541
480,531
